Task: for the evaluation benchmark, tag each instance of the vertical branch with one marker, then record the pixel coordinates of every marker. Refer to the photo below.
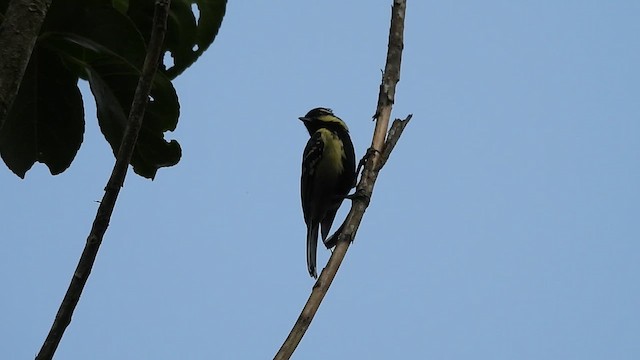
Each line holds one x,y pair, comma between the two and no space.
18,34
118,174
364,189
391,75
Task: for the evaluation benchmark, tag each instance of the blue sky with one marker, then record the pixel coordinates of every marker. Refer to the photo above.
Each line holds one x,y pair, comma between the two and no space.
505,225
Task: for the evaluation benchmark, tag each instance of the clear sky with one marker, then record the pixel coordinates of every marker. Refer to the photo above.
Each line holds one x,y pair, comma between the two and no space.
506,224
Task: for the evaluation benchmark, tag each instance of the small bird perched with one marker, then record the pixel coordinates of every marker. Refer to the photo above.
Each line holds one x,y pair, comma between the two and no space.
328,173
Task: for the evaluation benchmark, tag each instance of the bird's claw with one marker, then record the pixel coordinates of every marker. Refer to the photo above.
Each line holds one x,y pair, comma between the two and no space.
370,152
332,240
359,195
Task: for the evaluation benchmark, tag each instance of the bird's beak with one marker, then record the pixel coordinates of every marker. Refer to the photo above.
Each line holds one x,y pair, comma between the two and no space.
305,119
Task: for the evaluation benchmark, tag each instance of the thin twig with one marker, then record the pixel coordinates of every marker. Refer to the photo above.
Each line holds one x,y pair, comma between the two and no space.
386,97
118,174
18,34
392,139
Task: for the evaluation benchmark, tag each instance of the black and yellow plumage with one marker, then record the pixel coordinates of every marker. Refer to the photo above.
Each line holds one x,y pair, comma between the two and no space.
328,173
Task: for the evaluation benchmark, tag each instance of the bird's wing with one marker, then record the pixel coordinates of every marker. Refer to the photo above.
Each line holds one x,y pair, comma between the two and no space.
310,157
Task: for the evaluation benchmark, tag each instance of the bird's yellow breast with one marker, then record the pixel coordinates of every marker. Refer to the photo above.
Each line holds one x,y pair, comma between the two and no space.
333,152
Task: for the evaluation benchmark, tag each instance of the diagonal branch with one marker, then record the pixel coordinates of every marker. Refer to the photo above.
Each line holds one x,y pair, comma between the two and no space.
116,181
383,144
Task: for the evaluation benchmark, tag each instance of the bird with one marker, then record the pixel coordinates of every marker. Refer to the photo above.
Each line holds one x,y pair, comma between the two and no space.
328,174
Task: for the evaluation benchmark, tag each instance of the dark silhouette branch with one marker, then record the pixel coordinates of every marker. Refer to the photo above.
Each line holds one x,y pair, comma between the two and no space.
118,174
18,34
381,145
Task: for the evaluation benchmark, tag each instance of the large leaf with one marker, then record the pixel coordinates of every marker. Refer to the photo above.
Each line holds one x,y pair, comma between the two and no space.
46,121
113,68
102,41
99,28
152,151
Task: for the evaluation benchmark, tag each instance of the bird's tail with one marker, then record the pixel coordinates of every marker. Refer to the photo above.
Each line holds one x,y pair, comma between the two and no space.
312,246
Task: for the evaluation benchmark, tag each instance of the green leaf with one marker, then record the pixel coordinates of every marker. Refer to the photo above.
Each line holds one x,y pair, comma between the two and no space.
3,9
108,83
99,28
211,13
188,34
113,80
121,5
46,121
113,69
103,41
61,113
18,142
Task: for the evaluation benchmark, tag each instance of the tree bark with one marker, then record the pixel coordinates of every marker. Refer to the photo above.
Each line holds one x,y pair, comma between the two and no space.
18,34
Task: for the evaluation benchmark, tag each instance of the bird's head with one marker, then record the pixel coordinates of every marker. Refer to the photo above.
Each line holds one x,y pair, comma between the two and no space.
320,117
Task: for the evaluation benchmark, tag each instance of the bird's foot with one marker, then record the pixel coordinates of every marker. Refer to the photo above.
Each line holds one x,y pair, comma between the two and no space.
359,195
370,152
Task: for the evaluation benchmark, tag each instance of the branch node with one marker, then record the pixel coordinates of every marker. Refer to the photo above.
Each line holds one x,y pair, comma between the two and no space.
392,139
